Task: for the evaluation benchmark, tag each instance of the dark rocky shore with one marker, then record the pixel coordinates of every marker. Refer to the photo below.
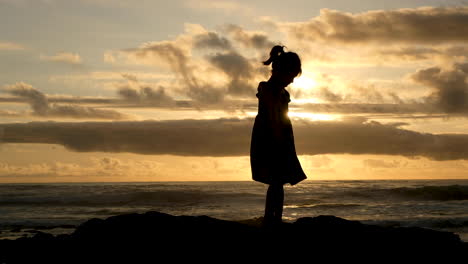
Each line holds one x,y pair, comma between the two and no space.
153,237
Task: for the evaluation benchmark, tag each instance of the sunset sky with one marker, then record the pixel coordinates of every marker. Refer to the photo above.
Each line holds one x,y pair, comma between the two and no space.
143,90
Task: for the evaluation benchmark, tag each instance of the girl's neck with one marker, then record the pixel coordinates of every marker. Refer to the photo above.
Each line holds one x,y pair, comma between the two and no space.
275,83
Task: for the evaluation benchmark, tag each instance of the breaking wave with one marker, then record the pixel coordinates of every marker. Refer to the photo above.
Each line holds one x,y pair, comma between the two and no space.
439,193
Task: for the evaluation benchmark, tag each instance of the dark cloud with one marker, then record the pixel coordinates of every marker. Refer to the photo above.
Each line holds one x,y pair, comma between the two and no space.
77,111
375,138
368,93
192,72
254,40
147,95
395,98
179,62
130,97
418,53
409,53
457,51
143,94
231,137
35,98
419,25
233,64
238,70
139,97
211,40
328,95
42,107
369,108
399,107
63,99
129,93
450,87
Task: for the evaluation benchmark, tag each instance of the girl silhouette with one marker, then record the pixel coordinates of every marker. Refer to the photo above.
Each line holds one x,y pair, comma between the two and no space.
273,156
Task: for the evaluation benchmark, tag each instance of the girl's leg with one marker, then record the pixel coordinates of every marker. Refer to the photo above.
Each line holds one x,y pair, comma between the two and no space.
279,203
274,204
269,205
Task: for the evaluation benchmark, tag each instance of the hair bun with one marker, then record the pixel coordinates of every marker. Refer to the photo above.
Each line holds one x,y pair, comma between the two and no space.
275,52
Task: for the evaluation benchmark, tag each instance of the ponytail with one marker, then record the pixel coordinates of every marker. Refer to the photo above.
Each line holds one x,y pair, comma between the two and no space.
275,52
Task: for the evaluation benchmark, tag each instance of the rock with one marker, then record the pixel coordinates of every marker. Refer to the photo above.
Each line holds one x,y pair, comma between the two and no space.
41,236
16,230
156,236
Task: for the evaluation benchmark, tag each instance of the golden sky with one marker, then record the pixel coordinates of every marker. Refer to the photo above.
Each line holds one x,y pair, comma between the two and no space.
116,90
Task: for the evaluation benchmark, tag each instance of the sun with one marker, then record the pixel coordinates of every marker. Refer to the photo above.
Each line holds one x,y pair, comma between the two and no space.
304,82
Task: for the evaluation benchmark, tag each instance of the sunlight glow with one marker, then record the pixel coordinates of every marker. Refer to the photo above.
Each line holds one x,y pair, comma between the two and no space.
314,117
304,82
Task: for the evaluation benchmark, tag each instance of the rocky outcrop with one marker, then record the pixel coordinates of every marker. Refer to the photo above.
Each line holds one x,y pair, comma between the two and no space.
152,237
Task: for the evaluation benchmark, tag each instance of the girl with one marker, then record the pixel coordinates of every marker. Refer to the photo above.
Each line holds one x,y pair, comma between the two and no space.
273,156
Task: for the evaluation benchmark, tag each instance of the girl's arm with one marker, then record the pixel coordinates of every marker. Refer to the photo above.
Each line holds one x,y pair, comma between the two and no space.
272,110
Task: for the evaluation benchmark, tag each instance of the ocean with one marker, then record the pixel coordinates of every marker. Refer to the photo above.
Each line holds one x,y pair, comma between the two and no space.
58,208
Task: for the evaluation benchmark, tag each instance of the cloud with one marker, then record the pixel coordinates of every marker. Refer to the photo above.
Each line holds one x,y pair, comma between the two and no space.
412,53
196,59
231,137
179,61
11,46
42,107
211,40
370,108
136,96
65,99
104,167
238,69
131,96
403,110
450,87
256,40
64,57
368,93
436,25
409,53
130,77
135,92
8,113
374,163
328,95
320,161
219,5
36,99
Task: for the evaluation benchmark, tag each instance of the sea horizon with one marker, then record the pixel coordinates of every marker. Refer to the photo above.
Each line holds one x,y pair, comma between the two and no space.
176,181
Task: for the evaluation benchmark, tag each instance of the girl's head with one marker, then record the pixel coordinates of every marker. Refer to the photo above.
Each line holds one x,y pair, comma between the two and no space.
285,65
